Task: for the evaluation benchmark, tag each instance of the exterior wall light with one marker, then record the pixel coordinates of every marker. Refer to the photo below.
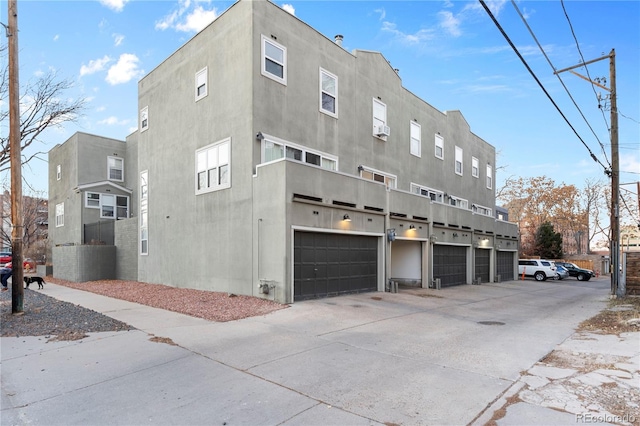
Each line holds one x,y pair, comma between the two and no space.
412,227
346,218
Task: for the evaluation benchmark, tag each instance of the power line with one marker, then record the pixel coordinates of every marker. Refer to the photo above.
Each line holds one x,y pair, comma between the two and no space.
515,49
526,24
583,61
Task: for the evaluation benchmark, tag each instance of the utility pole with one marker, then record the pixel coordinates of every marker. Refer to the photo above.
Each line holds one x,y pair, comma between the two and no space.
17,231
614,246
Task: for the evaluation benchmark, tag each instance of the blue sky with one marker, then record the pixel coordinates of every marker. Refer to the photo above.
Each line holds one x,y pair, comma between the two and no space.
449,53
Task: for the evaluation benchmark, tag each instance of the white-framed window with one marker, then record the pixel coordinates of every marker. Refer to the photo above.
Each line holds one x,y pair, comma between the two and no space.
416,139
59,215
458,202
114,206
328,93
489,177
115,168
475,167
458,161
201,88
144,213
375,175
380,128
486,211
58,172
144,119
273,149
92,200
213,167
439,152
274,60
435,195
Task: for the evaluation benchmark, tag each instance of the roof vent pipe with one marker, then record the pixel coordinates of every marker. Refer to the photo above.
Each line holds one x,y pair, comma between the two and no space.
339,40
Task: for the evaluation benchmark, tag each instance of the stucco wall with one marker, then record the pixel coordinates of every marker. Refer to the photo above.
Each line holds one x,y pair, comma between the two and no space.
84,263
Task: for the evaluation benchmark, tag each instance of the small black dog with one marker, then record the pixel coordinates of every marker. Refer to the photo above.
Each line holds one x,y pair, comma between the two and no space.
39,280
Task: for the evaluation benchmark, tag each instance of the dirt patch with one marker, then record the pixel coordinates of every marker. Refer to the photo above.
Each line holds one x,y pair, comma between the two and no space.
617,318
166,340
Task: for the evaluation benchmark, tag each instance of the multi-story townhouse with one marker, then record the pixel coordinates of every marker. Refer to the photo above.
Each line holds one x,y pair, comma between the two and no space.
272,162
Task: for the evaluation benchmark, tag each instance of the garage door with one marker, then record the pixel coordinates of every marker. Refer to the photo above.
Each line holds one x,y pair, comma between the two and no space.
450,265
505,265
333,264
483,264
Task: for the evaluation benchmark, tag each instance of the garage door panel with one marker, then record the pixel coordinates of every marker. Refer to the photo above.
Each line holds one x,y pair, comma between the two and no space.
482,264
505,260
331,264
450,264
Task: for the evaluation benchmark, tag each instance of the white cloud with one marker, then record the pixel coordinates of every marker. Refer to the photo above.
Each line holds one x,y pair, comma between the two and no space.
115,5
94,66
418,37
450,23
101,108
289,8
125,70
118,39
187,18
382,12
56,37
113,121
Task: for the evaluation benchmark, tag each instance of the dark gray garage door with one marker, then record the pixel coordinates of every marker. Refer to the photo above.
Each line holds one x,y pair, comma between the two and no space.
332,264
450,265
483,264
505,265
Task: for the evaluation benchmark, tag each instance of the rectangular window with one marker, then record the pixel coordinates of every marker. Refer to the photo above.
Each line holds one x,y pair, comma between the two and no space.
213,166
489,177
275,150
144,119
475,171
458,163
274,60
380,128
58,172
144,203
388,179
458,202
115,168
201,84
486,211
60,214
108,206
439,147
328,93
92,200
433,194
416,144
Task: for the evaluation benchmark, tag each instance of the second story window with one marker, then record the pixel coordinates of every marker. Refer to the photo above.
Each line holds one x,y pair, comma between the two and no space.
201,84
378,176
274,150
328,93
416,144
433,194
274,60
213,167
439,153
380,128
115,168
58,172
458,163
144,119
489,177
60,214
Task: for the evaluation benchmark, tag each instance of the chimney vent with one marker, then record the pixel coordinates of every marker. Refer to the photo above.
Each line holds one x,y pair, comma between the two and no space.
339,40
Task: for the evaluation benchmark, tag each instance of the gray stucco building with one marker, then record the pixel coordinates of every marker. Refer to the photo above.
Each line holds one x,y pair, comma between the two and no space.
269,161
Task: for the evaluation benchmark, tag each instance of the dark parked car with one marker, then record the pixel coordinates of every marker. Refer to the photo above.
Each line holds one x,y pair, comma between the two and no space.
575,271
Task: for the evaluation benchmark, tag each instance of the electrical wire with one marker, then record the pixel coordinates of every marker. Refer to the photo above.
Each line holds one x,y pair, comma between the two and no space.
515,49
526,24
583,61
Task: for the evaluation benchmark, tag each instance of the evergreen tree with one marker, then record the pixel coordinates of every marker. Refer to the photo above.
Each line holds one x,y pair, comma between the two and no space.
548,243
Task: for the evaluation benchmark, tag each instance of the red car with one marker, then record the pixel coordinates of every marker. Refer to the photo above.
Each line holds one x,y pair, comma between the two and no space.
5,257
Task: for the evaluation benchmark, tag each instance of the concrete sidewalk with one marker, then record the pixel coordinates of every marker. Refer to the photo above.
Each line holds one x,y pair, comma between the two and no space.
416,357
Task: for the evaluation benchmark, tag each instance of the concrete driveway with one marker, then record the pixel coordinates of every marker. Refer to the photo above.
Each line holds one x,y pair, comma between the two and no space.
420,356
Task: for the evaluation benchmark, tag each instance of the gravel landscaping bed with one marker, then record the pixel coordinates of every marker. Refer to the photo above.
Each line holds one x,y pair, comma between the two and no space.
46,316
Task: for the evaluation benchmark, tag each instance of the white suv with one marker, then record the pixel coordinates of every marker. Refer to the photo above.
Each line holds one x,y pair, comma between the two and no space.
538,269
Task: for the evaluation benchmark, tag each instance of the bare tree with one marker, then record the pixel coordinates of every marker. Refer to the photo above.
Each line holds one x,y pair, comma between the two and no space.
35,217
42,105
